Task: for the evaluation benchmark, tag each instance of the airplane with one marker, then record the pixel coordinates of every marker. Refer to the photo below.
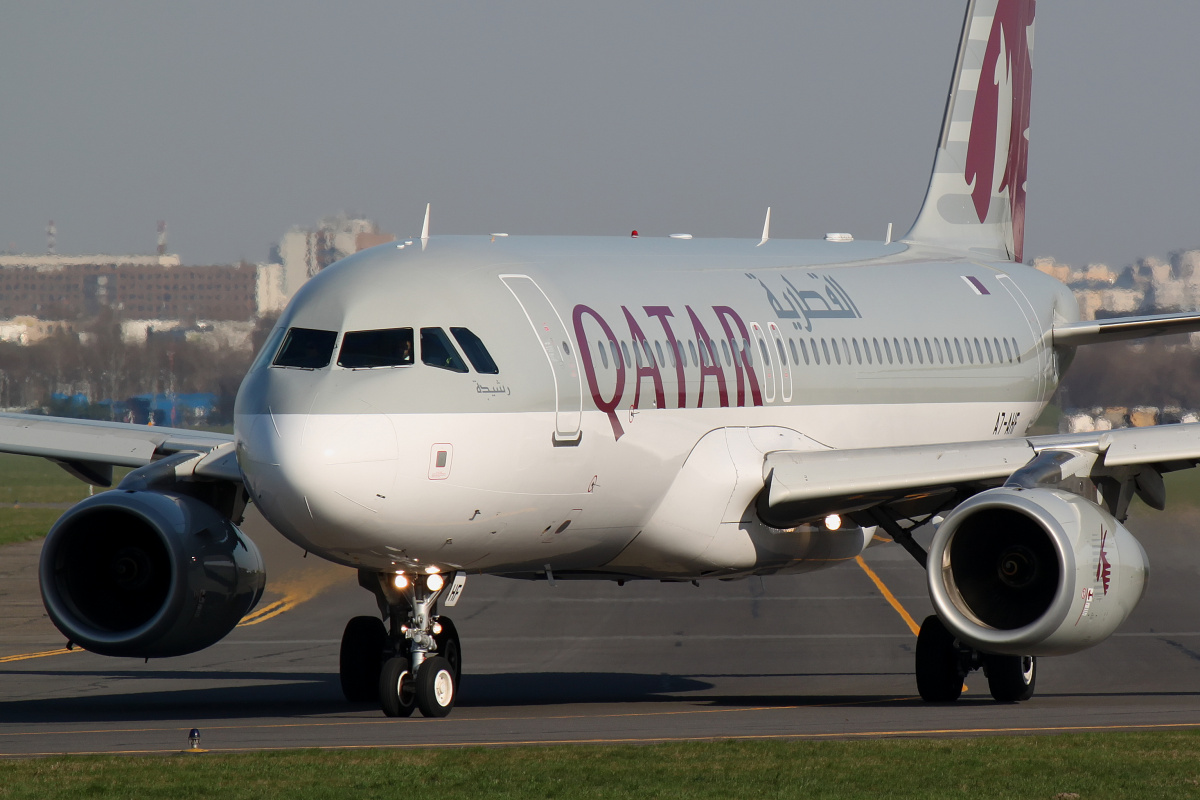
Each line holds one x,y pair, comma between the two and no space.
649,408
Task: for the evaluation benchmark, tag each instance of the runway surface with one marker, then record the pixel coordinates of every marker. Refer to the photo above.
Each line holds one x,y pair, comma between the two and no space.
816,656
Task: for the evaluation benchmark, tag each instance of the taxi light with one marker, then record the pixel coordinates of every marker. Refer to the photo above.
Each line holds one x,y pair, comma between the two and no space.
400,581
435,582
833,522
432,570
437,628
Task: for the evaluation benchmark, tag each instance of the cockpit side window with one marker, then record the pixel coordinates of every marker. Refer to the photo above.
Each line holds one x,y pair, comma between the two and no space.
477,354
390,347
305,348
437,351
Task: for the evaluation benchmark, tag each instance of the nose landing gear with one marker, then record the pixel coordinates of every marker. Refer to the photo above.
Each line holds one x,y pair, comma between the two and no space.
416,661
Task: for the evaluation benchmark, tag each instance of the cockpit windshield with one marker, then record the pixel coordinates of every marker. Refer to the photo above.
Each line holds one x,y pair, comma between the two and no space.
305,348
477,354
437,351
390,347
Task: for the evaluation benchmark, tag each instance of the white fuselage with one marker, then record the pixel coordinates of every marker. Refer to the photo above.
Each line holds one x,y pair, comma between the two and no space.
586,456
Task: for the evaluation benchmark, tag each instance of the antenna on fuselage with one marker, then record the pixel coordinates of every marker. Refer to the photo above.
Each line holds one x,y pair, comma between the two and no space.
425,227
766,229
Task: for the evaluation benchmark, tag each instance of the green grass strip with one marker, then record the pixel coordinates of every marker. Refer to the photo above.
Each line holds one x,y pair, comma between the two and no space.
1105,765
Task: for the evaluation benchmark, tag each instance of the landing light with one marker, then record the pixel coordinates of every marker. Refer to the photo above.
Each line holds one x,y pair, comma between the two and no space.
833,522
431,570
435,582
400,581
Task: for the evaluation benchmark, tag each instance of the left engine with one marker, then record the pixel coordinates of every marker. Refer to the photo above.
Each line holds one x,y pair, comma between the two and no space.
1034,572
147,574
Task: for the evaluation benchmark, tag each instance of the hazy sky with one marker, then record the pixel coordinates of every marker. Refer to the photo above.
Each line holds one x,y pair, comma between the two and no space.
235,120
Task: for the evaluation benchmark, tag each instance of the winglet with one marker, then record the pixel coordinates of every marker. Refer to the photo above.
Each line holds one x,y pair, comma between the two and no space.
766,229
425,227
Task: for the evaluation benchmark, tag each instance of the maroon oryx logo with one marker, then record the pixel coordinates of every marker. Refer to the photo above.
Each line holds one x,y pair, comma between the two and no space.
998,152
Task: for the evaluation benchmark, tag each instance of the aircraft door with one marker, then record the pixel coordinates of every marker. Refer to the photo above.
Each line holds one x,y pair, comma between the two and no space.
1035,329
560,353
785,365
764,351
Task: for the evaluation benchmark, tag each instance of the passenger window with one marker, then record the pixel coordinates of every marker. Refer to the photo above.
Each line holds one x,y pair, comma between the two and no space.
888,348
625,350
616,354
437,351
692,350
866,349
949,352
908,350
825,349
305,348
938,345
725,351
1007,351
603,353
896,347
1016,351
978,350
878,355
837,355
766,354
928,351
479,356
390,347
795,355
958,347
804,351
988,346
782,353
857,352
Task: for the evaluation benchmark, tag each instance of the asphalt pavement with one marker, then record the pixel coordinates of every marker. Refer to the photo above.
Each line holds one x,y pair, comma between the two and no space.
820,656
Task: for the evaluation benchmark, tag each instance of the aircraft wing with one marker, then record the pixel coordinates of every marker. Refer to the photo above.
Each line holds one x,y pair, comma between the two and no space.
922,478
1096,331
89,449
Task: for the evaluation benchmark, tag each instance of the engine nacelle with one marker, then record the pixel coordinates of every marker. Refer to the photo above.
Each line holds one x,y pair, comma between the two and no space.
1034,572
147,574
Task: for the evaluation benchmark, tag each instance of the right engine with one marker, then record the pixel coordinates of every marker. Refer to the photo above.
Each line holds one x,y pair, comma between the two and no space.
1034,572
147,574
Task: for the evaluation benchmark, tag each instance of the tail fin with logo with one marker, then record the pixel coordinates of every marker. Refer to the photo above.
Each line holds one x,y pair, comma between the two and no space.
976,197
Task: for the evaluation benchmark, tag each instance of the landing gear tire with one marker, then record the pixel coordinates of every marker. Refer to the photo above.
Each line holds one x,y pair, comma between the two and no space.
939,675
436,689
449,648
1011,679
361,659
397,688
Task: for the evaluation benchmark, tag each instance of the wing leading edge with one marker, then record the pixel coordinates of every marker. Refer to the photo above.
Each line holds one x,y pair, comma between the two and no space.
1074,334
89,449
804,486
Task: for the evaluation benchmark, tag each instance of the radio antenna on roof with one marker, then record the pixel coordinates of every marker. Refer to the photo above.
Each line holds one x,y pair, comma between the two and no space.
766,229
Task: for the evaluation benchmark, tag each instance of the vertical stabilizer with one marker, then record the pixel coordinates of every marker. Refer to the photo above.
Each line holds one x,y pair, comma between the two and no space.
976,197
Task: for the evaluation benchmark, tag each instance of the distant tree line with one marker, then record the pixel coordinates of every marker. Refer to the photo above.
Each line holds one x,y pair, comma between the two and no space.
1159,372
95,361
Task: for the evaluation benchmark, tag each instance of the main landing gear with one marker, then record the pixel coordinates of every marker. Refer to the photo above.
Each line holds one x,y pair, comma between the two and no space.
415,661
943,663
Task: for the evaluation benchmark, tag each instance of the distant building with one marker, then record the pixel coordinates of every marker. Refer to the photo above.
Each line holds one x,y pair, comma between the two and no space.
61,287
303,252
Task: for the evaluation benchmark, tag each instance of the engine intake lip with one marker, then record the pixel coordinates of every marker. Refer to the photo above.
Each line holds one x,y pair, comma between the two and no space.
948,599
145,568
